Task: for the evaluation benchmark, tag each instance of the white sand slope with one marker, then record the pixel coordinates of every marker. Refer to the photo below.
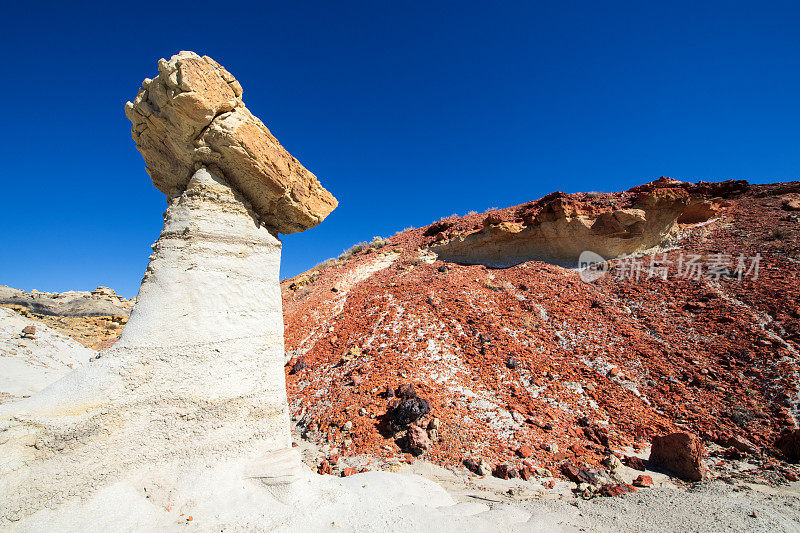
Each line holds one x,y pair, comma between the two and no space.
222,498
29,365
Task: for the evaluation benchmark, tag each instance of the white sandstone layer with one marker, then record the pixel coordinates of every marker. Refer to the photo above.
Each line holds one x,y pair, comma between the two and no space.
196,377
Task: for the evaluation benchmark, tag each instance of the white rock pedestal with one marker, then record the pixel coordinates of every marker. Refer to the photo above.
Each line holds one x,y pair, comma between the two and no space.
196,377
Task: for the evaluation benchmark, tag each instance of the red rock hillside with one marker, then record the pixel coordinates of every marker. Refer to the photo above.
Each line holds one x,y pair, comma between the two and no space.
530,360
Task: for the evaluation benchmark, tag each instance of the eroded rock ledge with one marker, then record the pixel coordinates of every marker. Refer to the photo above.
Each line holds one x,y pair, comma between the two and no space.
559,226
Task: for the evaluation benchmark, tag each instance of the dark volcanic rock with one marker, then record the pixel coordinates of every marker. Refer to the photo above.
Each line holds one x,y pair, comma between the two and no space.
504,471
408,411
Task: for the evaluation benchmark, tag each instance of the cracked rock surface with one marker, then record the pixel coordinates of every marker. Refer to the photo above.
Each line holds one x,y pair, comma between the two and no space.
192,114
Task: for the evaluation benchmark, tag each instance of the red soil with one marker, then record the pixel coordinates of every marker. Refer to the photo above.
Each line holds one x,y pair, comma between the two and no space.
531,355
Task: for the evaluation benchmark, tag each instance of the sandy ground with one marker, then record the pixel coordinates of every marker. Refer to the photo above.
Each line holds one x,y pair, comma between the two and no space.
708,506
716,505
712,506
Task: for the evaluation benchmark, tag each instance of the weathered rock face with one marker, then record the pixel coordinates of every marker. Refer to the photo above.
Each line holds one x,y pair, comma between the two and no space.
680,453
702,211
192,115
196,374
791,204
558,230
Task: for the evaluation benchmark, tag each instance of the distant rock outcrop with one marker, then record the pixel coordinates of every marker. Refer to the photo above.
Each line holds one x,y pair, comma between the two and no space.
100,302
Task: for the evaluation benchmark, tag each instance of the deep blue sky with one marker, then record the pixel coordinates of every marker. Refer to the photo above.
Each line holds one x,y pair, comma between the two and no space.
406,111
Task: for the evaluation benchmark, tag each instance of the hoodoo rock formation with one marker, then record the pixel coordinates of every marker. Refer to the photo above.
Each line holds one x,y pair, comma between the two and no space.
197,374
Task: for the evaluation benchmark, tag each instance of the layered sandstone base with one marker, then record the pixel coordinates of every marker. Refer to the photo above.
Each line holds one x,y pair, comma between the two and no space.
196,377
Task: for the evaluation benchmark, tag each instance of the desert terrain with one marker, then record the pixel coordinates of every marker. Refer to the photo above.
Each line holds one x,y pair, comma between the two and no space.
602,361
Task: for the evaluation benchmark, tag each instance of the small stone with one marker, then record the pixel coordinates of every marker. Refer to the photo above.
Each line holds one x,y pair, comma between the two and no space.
612,462
633,462
298,366
741,444
29,332
406,390
504,471
408,411
478,466
347,426
618,489
643,481
524,451
349,471
324,468
577,474
789,444
417,440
